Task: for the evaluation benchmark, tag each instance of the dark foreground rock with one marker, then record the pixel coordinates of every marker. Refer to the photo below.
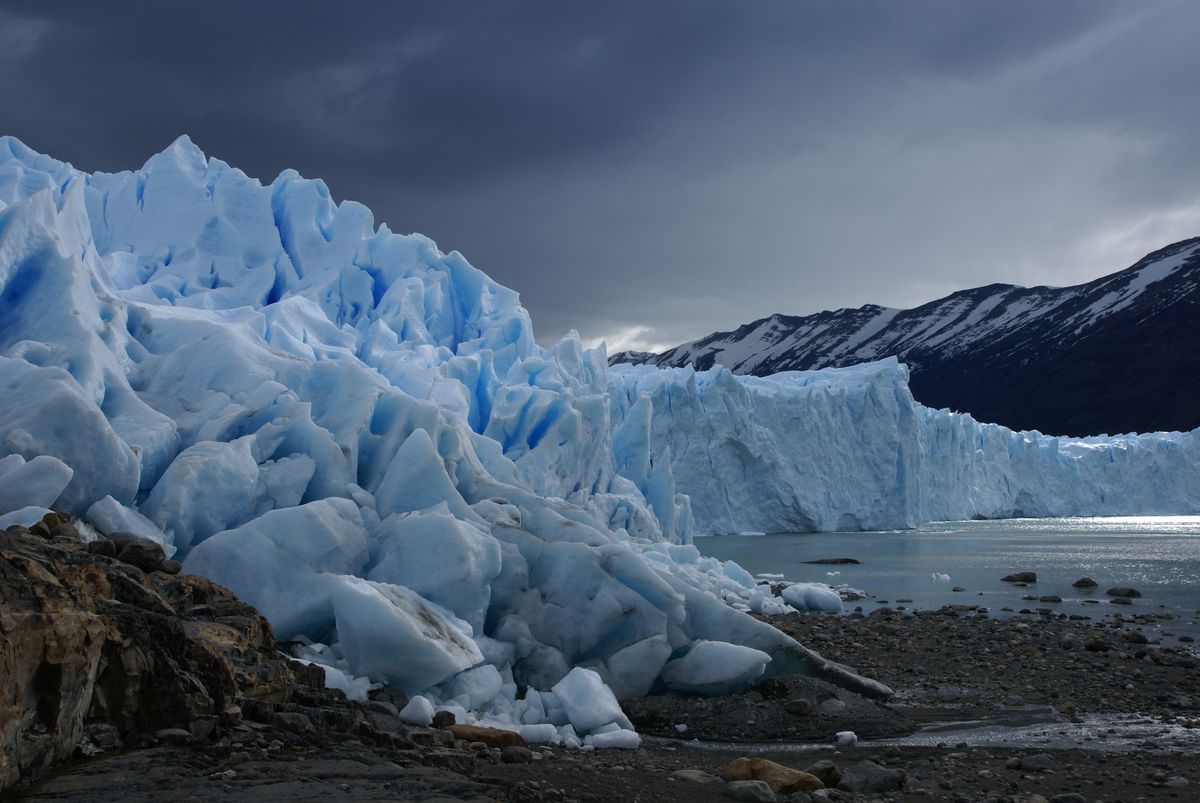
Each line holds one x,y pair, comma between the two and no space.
97,653
122,684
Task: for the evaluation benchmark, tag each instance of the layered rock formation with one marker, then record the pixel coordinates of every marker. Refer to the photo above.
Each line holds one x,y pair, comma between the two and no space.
95,652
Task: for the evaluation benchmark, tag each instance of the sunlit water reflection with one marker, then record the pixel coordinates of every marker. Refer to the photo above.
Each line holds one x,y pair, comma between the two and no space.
1159,556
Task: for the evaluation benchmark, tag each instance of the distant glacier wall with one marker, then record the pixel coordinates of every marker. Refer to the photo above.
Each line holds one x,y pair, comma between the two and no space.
850,449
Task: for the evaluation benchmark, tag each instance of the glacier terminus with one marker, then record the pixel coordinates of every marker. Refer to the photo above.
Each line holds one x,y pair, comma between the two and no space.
360,436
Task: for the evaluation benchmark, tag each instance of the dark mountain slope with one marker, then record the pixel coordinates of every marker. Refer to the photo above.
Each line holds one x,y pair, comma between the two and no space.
1118,354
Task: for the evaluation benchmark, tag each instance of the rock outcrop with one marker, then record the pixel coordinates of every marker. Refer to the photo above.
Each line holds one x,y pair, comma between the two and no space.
96,652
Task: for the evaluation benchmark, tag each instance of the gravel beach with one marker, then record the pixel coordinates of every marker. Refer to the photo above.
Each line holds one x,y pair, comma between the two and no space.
1029,708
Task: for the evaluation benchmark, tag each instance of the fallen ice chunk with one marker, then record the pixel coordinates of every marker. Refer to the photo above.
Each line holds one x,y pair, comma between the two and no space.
622,739
846,738
588,702
390,633
33,483
544,733
418,711
569,737
26,517
446,560
286,562
812,597
110,516
477,686
208,488
715,667
355,688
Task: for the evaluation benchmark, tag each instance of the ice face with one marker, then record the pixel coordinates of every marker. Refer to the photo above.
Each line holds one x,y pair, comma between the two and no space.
849,449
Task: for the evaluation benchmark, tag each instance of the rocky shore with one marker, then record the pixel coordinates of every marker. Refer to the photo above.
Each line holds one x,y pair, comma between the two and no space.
123,680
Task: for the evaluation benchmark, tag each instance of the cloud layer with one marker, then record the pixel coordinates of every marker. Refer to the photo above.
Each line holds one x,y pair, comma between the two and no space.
649,172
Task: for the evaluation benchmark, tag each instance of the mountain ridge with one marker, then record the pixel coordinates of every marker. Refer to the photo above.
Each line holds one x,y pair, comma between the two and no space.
1116,354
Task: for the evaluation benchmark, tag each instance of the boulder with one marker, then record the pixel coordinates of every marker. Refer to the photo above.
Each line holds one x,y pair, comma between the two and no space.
90,645
781,779
827,771
752,791
800,706
1085,582
1123,591
867,777
143,553
515,754
1020,577
492,737
443,719
1037,762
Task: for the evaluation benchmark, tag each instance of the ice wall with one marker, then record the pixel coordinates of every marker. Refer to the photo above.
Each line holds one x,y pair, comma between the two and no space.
353,430
849,449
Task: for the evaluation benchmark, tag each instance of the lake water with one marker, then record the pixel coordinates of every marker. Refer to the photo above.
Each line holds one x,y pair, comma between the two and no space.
1159,556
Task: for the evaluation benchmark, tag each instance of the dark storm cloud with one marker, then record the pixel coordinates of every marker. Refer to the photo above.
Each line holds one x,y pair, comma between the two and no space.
656,170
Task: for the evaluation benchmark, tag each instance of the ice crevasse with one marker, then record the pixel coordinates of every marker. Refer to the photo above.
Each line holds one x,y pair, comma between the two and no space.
358,434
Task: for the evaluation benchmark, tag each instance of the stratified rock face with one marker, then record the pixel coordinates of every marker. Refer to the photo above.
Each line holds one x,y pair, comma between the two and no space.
91,644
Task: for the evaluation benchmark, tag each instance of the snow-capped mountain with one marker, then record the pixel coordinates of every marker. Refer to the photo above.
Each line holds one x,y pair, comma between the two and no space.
1118,354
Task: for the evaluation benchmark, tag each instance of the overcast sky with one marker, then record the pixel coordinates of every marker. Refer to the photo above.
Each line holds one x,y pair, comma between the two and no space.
648,172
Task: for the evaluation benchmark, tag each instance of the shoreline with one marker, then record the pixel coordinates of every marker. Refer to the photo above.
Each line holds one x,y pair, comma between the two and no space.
945,668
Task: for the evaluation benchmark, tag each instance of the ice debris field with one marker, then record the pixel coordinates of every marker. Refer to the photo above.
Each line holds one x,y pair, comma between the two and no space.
358,434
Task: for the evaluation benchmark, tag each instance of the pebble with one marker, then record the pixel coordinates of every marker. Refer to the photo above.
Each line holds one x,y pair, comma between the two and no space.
443,719
1037,762
754,791
695,776
867,777
831,706
514,754
173,736
800,706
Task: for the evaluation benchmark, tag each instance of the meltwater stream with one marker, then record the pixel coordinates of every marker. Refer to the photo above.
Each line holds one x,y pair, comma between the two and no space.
1159,556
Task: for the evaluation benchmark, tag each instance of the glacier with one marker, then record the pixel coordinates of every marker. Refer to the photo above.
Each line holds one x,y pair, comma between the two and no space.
844,449
359,435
